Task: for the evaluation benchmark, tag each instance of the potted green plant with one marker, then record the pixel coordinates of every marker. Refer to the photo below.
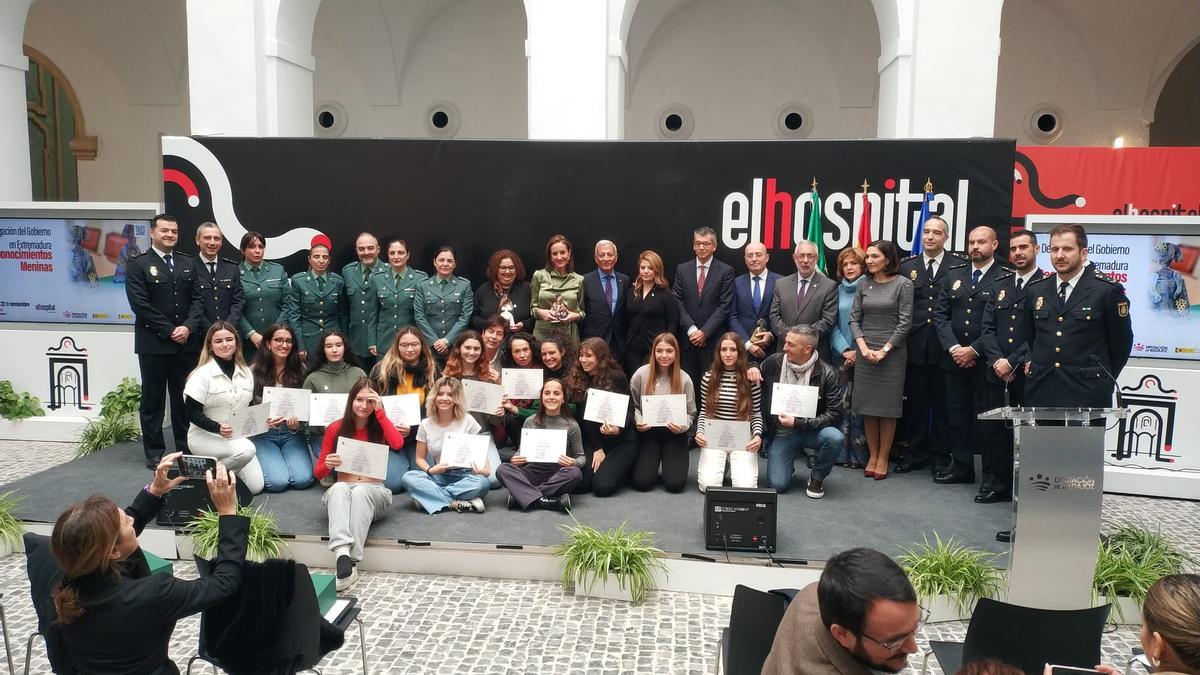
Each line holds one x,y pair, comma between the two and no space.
11,527
16,405
950,577
1128,563
124,400
591,556
263,541
118,421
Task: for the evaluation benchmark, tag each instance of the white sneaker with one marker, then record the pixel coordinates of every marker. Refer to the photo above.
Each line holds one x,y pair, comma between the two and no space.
347,573
477,505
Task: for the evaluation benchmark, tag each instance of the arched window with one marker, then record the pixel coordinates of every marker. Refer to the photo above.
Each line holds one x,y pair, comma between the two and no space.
57,137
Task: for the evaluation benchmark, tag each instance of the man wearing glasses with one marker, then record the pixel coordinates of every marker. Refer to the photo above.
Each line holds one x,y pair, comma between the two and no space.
861,618
807,297
704,288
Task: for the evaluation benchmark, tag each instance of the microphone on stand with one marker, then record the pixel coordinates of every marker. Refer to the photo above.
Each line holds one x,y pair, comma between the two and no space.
1096,360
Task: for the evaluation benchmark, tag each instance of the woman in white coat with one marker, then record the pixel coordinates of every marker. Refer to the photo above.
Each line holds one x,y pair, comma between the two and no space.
220,384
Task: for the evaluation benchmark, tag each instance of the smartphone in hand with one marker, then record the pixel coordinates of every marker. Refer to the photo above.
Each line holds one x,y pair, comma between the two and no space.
1073,670
194,466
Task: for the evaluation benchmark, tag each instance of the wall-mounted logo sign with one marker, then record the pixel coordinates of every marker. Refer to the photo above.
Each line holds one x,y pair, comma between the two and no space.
1150,427
68,375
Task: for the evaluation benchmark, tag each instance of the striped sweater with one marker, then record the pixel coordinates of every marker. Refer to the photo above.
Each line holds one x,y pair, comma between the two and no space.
727,403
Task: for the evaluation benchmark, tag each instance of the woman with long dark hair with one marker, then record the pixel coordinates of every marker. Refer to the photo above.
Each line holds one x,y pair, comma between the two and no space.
658,445
610,450
113,616
332,369
727,394
408,367
354,502
282,451
523,352
650,310
546,485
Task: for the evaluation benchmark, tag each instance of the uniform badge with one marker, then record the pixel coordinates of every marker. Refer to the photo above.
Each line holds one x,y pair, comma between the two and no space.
1040,301
153,271
913,275
957,283
1000,298
1123,308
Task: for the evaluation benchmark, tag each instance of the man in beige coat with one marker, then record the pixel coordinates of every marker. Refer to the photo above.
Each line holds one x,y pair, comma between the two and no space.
860,618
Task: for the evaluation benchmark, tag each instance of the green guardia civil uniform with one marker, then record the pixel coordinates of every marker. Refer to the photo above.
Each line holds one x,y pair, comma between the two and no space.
266,288
315,304
361,305
442,307
395,295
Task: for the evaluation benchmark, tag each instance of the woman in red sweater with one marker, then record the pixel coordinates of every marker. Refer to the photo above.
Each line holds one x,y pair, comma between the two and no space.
354,502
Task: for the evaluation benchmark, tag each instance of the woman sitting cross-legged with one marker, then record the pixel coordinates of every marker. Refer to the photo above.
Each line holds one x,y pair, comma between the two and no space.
545,485
434,485
354,502
282,451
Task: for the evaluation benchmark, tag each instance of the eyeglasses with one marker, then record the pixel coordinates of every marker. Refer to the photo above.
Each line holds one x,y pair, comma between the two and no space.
410,345
892,646
282,341
703,244
507,268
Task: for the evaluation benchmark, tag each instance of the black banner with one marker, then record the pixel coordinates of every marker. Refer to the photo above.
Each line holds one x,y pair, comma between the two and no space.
479,196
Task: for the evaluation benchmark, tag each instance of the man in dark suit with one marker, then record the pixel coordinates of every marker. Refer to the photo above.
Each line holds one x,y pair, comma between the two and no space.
958,320
219,280
604,300
750,309
704,287
806,297
925,429
1007,353
161,287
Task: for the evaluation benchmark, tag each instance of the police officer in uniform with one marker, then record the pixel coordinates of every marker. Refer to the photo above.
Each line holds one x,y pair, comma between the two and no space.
316,301
1006,352
395,292
265,287
361,300
160,286
958,320
218,279
1078,328
925,429
443,304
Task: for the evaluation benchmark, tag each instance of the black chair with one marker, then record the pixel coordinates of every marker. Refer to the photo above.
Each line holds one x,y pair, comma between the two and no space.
753,620
1025,637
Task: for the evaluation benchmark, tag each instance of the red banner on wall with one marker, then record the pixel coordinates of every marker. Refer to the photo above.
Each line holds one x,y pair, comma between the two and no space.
1113,181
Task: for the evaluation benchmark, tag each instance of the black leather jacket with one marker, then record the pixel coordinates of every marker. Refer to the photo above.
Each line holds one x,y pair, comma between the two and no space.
829,403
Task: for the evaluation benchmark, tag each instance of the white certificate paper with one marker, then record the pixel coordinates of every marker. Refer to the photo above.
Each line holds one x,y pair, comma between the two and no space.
658,409
797,400
464,450
606,407
521,383
543,445
323,409
727,435
482,397
287,402
362,458
403,409
250,421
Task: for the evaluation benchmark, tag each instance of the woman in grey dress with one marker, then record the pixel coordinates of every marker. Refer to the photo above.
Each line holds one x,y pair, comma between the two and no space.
879,323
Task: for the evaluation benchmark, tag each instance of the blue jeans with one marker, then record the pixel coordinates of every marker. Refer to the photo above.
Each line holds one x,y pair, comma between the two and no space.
284,458
435,492
853,451
401,462
781,459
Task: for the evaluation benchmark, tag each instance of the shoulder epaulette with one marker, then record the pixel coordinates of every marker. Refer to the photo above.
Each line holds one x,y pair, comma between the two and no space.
181,255
960,256
334,275
1038,280
958,265
143,253
230,261
1005,273
1103,277
911,257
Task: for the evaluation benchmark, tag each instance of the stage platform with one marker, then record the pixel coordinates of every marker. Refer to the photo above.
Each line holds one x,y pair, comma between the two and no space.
888,515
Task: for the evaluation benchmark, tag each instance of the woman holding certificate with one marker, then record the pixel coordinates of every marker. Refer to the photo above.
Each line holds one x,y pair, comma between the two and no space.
549,466
610,448
557,293
440,481
354,501
650,310
467,362
407,368
879,322
726,395
221,384
661,429
330,371
281,451
522,352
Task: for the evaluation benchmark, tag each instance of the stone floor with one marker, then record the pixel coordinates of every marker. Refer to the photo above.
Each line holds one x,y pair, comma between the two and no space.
436,624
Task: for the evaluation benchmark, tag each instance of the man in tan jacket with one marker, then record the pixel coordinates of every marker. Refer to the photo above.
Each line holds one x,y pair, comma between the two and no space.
861,618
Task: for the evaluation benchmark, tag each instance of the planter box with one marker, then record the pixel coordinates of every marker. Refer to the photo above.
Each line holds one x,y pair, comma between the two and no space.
1125,611
942,608
608,589
57,428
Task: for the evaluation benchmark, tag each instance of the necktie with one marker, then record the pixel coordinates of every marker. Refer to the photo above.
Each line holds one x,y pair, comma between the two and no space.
1062,292
397,281
170,263
321,283
608,291
366,275
975,277
700,282
930,268
803,291
256,271
1020,283
757,295
212,269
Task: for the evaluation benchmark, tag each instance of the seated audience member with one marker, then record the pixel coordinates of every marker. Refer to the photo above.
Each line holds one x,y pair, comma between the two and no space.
1170,627
434,485
353,502
860,618
505,294
610,450
331,370
408,367
112,615
220,384
726,393
546,485
523,352
787,436
467,362
555,358
665,446
282,452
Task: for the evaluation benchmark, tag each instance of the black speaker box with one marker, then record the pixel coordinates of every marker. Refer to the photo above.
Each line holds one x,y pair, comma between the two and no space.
739,519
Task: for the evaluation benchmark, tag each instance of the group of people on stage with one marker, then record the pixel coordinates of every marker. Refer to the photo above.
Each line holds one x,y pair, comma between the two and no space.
902,353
